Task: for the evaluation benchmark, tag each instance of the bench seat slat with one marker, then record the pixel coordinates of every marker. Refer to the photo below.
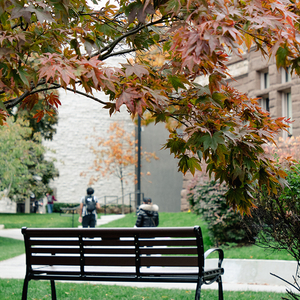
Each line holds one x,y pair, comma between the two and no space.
61,271
111,232
163,261
149,242
169,250
53,243
55,260
165,242
51,250
129,277
115,242
170,242
168,261
162,251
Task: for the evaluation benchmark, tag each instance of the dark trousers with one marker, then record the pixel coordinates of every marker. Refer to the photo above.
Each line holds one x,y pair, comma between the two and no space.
89,221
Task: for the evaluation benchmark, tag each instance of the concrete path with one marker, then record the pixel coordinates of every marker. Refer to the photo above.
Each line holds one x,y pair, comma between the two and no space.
108,218
240,275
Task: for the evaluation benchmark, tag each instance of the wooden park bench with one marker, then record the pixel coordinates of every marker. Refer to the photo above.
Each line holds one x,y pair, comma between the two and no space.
118,255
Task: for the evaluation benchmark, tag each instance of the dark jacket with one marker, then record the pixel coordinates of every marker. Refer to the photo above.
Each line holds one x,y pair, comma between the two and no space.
147,216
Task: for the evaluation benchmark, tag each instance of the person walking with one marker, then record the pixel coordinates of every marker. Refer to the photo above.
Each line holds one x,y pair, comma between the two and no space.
148,214
50,200
34,202
88,209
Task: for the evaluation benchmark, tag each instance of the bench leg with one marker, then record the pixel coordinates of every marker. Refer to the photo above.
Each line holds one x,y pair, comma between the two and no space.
25,288
198,289
220,288
53,291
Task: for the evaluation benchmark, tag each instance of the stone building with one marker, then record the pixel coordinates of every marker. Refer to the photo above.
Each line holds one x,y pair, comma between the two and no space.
79,119
278,92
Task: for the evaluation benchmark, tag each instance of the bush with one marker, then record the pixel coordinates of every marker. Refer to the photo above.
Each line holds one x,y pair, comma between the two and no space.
277,216
224,224
110,209
58,205
115,209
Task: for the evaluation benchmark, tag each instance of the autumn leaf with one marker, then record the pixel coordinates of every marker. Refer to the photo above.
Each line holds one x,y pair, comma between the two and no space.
136,69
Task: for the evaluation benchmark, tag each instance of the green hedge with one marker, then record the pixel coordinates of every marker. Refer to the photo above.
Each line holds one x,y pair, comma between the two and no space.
58,205
110,209
225,225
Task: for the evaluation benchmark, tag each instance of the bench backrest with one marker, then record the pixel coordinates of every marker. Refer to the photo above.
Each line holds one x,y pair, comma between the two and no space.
120,247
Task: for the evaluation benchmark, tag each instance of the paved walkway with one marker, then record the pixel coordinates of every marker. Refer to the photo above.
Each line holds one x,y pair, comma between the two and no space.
240,275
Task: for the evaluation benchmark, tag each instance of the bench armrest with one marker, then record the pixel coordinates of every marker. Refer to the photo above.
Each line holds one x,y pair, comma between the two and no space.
221,255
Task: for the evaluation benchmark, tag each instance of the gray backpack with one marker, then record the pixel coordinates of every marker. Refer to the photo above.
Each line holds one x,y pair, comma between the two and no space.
90,204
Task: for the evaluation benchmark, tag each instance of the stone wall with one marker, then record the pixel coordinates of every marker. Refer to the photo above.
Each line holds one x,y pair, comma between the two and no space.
79,119
7,206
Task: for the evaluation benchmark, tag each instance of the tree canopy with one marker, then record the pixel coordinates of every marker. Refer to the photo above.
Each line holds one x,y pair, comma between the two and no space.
51,44
23,168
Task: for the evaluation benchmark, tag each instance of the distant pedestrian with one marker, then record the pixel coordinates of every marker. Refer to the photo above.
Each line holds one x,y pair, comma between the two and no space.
50,200
148,214
88,209
35,202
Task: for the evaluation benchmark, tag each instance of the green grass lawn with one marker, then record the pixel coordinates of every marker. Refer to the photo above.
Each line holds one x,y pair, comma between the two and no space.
10,248
190,219
11,289
37,220
165,220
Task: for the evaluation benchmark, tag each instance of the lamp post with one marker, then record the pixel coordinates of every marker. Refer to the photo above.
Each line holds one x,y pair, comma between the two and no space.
139,163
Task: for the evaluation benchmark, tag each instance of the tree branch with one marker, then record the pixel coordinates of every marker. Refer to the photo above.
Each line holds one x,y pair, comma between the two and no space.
13,102
82,93
103,57
109,48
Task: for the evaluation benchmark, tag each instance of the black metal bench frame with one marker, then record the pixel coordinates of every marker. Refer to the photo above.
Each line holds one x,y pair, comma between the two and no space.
92,254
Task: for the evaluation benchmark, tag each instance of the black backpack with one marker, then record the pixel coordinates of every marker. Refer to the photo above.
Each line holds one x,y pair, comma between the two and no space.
90,204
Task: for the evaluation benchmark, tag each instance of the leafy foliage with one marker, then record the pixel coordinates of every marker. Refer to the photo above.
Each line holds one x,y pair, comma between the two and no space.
225,225
52,44
23,169
277,216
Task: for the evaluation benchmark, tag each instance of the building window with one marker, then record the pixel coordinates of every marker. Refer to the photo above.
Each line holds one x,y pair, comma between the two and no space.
264,102
286,75
264,80
287,111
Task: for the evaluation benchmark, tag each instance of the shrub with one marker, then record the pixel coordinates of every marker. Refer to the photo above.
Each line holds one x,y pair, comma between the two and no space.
109,209
58,205
224,224
277,216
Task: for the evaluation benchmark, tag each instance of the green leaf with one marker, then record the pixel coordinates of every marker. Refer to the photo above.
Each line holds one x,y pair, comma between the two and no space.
212,141
160,118
193,164
23,77
203,99
176,82
281,56
2,106
219,98
183,164
200,154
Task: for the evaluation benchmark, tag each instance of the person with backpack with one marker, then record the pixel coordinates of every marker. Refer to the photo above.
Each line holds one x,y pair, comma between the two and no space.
88,209
148,214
